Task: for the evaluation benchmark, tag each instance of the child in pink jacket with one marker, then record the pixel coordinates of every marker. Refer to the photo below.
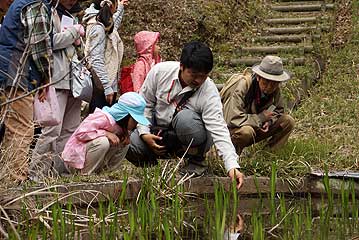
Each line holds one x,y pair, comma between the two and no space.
101,141
148,51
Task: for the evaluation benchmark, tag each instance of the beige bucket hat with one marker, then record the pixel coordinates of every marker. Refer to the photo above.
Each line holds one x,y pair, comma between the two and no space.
271,68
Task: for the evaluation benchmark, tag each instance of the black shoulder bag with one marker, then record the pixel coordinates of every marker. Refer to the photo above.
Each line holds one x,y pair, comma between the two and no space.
168,135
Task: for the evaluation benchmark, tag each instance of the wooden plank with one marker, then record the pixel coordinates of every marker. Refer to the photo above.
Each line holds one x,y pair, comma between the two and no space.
277,49
287,38
85,193
302,8
294,30
296,20
317,186
250,61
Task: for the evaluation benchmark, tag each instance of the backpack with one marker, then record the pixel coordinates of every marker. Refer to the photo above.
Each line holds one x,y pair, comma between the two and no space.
125,82
231,84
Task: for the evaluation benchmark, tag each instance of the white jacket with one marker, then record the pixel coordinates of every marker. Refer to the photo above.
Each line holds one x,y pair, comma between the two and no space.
162,90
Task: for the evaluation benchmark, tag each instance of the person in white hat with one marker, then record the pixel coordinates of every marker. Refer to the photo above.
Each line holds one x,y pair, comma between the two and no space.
254,111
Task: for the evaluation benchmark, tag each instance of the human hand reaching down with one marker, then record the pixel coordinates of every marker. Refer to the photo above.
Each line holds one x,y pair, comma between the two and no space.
151,141
236,175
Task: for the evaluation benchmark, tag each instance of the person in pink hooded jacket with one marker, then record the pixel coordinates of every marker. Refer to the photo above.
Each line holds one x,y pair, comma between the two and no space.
148,51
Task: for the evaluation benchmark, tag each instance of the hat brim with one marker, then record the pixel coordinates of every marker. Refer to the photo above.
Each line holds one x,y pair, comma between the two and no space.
285,76
140,119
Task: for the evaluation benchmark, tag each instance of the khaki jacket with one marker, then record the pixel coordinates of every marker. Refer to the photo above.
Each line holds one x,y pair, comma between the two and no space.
63,52
238,114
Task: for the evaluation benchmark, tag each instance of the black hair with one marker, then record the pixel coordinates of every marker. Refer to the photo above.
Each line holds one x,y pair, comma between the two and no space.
104,15
123,123
197,56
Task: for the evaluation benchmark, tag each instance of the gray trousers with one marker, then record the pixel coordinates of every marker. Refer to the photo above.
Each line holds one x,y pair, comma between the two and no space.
52,140
186,125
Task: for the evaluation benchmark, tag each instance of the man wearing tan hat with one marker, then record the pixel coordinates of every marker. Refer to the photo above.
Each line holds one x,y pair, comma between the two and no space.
254,109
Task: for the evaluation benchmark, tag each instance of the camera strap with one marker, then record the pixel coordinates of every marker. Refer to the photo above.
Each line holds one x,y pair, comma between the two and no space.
183,101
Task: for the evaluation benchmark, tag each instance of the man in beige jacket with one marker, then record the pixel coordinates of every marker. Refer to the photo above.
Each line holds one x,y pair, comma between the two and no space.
254,110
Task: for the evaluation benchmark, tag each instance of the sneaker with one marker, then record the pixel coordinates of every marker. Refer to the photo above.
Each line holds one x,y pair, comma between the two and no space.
195,168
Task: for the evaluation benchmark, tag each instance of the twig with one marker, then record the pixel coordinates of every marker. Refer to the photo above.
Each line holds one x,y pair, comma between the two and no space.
67,196
185,178
11,225
3,232
41,219
34,193
164,170
180,161
280,222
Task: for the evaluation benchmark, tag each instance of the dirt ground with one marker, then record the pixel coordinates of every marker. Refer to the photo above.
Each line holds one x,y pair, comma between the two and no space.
218,23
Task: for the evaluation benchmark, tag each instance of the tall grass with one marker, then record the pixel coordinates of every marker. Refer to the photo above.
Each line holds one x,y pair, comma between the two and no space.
165,211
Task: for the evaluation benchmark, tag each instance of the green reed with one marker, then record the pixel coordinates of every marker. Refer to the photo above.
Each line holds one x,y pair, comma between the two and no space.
162,211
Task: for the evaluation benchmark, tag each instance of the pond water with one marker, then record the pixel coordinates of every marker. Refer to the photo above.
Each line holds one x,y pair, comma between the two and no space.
164,212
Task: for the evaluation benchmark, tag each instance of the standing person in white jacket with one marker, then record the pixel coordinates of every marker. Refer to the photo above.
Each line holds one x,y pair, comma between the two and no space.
46,155
184,107
104,49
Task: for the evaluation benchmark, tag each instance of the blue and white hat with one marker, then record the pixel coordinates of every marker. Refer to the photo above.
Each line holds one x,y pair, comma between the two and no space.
129,103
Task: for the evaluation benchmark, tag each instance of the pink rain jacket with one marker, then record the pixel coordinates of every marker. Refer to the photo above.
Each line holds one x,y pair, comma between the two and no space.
94,126
145,42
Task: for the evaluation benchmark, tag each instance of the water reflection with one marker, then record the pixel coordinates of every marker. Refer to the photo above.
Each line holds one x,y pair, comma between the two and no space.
234,231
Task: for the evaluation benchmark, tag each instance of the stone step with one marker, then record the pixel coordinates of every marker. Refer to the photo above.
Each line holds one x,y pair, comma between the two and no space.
288,38
295,20
295,30
302,8
277,49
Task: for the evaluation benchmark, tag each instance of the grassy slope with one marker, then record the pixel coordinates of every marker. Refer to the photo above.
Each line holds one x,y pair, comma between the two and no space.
326,132
326,122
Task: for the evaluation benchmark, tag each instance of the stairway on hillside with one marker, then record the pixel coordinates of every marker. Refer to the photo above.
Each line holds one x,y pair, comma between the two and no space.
293,31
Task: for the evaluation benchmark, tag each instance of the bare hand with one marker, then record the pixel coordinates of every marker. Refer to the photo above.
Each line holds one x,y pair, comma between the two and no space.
126,140
42,94
150,140
80,29
109,98
235,174
123,2
267,115
265,126
113,139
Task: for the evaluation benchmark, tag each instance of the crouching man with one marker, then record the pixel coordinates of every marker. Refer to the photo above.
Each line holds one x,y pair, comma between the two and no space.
185,108
254,109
